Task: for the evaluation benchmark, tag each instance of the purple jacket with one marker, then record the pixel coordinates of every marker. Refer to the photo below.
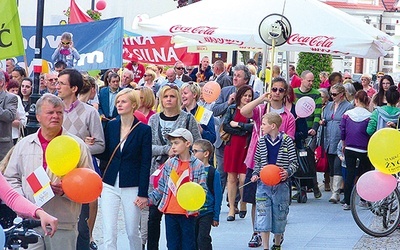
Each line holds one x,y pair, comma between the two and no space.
354,129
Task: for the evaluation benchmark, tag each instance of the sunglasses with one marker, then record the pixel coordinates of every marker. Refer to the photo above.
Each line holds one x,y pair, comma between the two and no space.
281,90
180,68
347,78
65,43
335,94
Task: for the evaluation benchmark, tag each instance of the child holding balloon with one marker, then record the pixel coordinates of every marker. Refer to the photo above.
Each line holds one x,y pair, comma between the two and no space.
180,211
272,201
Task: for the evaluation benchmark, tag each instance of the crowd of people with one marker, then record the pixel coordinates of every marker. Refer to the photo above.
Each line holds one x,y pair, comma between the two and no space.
138,130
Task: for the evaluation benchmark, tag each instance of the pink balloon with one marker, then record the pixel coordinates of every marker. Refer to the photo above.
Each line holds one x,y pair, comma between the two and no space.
374,185
305,106
101,5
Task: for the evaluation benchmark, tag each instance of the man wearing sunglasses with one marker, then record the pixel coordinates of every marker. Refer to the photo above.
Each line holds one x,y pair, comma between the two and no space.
306,89
180,72
51,79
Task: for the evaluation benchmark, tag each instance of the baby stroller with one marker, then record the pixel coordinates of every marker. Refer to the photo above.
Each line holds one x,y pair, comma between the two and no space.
306,171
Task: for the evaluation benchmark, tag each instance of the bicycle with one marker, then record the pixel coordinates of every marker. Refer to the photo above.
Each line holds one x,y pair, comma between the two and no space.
22,234
378,219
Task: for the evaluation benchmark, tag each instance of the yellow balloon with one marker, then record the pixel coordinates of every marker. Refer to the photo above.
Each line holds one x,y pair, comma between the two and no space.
191,196
384,150
62,154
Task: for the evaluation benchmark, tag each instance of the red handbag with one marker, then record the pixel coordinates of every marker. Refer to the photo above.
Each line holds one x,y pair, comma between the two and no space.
321,160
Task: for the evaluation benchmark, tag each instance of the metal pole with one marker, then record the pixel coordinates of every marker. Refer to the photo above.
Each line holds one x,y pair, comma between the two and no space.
92,6
33,124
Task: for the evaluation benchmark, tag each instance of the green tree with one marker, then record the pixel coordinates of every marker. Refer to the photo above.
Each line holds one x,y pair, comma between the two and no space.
316,63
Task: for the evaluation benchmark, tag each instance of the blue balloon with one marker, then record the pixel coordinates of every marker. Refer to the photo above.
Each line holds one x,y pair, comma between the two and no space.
2,237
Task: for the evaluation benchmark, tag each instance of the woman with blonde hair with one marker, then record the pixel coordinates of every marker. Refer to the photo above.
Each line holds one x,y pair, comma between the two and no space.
254,81
149,77
191,92
125,179
331,118
366,84
147,101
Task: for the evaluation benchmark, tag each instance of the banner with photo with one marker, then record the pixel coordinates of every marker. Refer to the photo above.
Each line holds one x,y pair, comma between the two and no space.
99,43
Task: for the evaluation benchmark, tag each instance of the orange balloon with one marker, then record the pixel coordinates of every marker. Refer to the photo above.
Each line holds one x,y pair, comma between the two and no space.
270,175
82,185
211,90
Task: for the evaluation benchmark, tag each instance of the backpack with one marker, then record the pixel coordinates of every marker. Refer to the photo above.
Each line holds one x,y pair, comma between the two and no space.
210,179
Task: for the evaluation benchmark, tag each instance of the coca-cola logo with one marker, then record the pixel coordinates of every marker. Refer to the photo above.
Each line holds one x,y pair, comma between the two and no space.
208,39
201,30
311,41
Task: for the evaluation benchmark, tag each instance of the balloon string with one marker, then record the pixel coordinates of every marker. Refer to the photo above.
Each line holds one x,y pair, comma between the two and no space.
247,183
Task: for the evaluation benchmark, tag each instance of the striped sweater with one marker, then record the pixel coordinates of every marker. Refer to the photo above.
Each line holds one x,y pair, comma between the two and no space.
287,157
312,120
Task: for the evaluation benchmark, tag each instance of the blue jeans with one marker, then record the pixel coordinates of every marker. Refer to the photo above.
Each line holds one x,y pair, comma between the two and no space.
272,207
180,232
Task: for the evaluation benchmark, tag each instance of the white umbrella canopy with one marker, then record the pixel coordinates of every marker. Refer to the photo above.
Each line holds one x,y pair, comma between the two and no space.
316,27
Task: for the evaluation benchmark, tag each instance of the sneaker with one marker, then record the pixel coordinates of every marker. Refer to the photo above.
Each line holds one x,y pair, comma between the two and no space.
275,247
255,241
346,207
317,193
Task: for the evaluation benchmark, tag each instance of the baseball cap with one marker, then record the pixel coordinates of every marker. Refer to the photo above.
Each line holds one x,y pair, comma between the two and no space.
180,132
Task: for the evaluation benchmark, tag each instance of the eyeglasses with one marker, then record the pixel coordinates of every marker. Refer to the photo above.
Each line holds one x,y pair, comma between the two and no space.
281,90
335,94
179,68
189,69
198,150
364,79
65,43
60,83
379,76
347,78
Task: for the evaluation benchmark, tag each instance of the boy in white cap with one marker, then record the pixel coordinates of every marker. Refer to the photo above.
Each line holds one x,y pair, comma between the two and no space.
182,168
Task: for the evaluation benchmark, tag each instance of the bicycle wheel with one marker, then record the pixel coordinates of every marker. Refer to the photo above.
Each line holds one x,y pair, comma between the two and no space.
378,219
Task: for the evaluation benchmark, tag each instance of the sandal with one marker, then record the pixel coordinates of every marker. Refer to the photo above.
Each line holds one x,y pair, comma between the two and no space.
242,214
93,245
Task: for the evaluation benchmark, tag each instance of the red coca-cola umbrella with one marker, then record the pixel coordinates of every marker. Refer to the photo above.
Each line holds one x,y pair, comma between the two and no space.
316,27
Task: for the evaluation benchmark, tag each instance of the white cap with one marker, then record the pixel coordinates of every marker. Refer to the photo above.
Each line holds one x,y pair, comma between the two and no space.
181,132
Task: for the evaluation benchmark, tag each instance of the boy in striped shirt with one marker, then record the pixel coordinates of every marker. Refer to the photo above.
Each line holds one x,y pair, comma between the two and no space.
272,202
